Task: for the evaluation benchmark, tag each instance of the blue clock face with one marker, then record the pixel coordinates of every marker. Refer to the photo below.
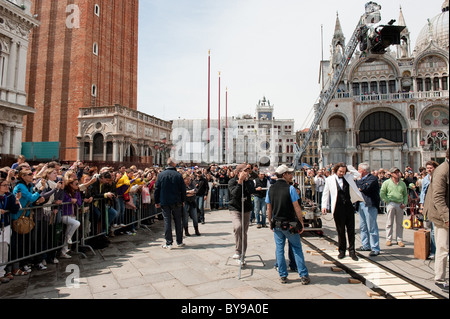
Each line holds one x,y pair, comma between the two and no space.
265,116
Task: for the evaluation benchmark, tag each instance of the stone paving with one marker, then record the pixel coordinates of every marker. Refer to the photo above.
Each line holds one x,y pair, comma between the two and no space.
136,267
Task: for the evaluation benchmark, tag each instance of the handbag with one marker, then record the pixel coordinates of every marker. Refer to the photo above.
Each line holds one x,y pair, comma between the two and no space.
24,225
126,197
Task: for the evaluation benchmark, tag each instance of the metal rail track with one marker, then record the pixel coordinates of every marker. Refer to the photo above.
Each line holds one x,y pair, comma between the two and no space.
354,274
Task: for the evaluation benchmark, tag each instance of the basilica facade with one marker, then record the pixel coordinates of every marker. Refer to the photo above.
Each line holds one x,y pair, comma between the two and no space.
392,109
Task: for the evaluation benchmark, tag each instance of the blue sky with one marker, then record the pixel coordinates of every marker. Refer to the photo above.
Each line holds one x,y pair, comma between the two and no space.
262,48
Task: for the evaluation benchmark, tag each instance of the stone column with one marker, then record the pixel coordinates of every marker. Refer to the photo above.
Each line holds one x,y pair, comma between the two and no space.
91,150
115,151
17,141
11,74
21,73
80,150
6,150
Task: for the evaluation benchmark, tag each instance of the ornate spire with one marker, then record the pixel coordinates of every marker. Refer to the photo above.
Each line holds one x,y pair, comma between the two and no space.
338,33
403,51
338,45
401,22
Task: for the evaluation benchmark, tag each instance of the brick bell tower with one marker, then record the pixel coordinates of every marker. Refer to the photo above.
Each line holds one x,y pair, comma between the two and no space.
84,54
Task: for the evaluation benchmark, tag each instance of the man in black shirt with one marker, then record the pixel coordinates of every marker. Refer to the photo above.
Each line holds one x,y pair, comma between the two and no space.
286,221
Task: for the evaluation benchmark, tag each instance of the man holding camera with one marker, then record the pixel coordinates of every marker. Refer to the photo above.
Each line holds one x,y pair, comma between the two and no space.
286,221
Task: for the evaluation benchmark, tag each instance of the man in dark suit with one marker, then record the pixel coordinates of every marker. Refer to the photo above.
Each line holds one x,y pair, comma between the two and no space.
341,190
368,210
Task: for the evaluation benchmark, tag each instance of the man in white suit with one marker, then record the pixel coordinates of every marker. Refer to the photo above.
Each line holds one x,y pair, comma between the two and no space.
341,192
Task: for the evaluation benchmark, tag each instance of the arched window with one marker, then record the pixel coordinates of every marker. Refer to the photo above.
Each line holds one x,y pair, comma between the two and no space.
94,90
380,125
427,84
98,147
97,10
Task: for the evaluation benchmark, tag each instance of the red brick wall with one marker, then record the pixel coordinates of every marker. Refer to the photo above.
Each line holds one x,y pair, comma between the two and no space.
62,67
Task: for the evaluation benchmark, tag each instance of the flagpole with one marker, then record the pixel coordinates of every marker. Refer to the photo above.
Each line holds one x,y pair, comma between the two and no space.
209,103
226,123
219,124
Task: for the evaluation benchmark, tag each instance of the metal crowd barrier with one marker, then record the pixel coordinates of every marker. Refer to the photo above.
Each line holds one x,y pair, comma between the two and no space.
46,239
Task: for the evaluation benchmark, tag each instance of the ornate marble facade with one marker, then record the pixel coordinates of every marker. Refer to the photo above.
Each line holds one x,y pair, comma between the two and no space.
391,110
120,134
16,23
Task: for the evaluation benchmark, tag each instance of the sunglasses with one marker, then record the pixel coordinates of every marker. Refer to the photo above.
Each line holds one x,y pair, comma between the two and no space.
4,185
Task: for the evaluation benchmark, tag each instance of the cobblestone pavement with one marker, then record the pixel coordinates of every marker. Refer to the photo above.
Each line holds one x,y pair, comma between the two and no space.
136,267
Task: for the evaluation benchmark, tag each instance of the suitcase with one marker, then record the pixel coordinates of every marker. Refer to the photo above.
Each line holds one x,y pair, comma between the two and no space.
422,242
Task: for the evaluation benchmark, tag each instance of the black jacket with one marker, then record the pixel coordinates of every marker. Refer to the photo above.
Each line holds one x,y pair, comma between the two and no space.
95,192
202,186
370,189
170,188
235,189
8,204
263,184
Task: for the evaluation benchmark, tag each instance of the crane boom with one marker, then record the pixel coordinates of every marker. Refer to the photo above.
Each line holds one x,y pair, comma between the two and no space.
371,16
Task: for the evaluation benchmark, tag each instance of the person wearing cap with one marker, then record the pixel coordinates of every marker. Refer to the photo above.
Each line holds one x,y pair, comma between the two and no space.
341,191
240,187
283,210
395,194
170,195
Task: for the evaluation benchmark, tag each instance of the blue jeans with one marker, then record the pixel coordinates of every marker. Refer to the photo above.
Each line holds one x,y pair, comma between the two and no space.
200,200
120,211
260,205
190,209
370,237
433,241
175,211
223,196
112,214
292,263
296,244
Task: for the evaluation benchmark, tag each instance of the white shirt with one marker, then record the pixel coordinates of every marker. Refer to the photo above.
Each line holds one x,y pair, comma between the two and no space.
340,181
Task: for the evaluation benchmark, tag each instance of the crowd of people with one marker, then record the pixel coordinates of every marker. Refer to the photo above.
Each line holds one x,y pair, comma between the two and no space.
180,193
51,194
